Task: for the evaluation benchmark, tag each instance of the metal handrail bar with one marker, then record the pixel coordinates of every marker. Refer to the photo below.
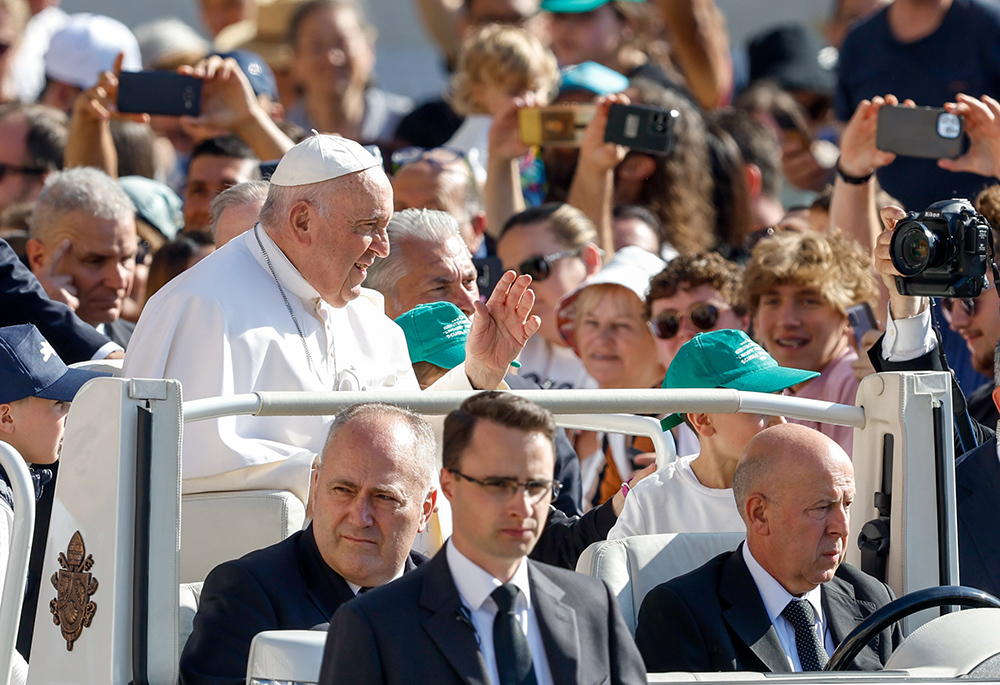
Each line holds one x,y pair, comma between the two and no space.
629,424
654,401
20,553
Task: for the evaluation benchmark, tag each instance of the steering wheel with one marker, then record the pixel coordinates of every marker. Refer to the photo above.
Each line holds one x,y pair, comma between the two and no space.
899,609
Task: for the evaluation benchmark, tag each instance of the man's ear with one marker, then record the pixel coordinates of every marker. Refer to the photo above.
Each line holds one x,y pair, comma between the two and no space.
702,424
996,396
754,180
6,419
37,252
447,484
300,218
429,507
591,256
756,514
478,222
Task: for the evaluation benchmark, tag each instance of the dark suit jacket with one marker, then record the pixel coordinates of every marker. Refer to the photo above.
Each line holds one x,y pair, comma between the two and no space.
120,331
713,619
286,586
977,476
409,632
23,300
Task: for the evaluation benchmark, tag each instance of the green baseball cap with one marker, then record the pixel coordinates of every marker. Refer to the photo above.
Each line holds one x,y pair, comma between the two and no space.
575,6
727,358
436,333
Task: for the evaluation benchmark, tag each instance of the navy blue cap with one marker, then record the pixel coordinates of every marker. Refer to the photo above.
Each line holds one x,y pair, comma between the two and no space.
29,367
257,72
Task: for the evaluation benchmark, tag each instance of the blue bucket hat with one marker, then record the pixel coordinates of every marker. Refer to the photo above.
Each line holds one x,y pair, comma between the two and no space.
29,367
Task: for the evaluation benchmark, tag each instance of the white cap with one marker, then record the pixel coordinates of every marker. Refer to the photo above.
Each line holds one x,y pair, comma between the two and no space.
88,45
631,267
319,158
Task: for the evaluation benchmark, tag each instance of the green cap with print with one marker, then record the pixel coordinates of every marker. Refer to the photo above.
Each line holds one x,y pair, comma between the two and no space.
727,358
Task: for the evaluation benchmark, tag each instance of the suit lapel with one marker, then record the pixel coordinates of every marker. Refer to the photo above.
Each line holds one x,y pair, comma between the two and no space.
557,622
978,484
747,615
842,612
327,589
456,640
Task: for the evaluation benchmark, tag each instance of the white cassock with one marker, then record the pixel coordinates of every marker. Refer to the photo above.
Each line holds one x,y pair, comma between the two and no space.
222,328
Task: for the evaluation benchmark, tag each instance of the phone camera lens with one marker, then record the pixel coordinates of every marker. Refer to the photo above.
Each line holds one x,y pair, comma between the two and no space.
949,126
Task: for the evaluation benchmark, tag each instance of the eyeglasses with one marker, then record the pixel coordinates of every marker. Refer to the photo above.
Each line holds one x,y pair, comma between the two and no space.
968,304
506,488
438,157
539,267
17,169
667,323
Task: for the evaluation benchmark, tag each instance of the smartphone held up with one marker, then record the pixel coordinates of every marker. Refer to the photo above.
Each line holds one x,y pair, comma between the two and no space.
159,92
926,132
638,127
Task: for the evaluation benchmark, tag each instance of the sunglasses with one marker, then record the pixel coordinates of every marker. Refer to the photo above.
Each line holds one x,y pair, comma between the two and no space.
540,266
968,304
667,323
439,157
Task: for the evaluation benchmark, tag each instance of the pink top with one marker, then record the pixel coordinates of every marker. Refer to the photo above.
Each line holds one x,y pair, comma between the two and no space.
836,383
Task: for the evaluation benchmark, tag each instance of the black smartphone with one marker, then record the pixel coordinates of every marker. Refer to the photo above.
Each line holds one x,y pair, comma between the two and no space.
159,92
862,319
642,128
927,132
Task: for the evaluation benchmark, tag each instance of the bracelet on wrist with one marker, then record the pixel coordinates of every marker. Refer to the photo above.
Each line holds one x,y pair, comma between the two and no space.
853,180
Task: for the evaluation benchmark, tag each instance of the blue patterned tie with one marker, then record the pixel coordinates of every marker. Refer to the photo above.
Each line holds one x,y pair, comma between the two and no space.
800,615
510,647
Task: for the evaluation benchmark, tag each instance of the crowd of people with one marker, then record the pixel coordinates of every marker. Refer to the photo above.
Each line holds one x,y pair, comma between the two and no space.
308,230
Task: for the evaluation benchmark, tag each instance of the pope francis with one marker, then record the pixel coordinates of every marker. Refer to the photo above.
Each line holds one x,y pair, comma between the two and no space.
281,307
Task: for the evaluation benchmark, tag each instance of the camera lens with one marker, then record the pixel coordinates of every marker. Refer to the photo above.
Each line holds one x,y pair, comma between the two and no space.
913,249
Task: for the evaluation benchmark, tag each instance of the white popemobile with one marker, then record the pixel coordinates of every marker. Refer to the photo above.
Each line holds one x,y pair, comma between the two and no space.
121,574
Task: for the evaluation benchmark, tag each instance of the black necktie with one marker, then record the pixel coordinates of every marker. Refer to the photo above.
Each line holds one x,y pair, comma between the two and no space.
800,615
363,589
510,647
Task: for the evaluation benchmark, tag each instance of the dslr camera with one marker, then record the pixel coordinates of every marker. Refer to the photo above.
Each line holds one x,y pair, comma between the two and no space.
942,251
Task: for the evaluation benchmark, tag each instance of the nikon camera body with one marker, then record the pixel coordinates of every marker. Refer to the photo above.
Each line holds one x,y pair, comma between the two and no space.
942,251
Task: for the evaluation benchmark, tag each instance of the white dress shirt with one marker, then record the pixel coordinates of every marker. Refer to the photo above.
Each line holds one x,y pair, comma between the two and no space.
475,585
776,598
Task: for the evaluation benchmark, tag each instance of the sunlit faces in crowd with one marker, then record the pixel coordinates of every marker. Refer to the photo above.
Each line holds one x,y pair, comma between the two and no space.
612,339
799,286
554,244
331,48
215,166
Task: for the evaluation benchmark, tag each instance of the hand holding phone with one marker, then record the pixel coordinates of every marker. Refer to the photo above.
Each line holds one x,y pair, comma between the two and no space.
925,132
159,92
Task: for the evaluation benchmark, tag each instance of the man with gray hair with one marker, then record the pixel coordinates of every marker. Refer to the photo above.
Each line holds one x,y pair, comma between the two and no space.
282,308
428,262
82,247
373,491
236,209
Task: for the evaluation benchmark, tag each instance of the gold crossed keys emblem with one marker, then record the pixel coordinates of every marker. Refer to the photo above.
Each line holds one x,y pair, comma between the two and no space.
71,609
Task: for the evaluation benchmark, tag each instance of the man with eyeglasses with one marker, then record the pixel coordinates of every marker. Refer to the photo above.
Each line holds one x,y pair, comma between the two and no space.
479,611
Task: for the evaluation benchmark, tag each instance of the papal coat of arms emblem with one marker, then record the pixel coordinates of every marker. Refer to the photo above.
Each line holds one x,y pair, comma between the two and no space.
72,609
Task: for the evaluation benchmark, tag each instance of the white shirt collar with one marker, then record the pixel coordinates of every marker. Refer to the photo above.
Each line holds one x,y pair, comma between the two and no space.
475,584
774,595
291,280
355,588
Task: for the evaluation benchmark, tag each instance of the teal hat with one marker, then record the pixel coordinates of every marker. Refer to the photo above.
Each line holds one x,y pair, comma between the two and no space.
155,203
575,6
592,77
727,358
436,333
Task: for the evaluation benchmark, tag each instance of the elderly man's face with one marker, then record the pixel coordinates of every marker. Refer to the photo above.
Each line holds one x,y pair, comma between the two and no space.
370,499
351,237
422,185
100,261
435,272
808,519
17,184
208,176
